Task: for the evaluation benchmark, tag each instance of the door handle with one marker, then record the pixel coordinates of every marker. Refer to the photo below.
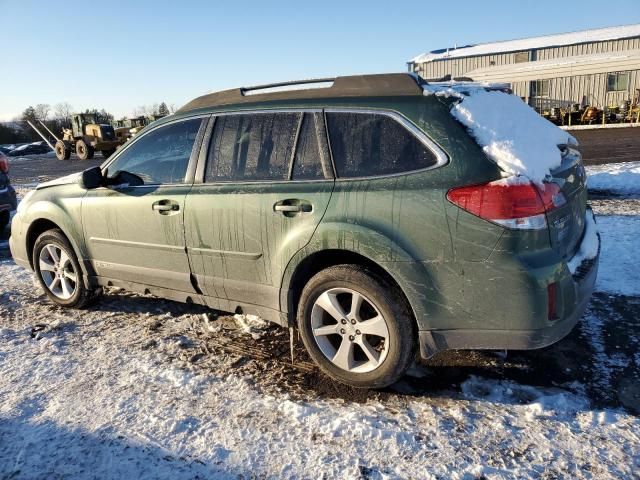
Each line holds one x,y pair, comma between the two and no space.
292,206
287,208
165,206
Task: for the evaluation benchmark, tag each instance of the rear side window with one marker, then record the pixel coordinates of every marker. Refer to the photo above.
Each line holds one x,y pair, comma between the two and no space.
368,144
252,147
162,155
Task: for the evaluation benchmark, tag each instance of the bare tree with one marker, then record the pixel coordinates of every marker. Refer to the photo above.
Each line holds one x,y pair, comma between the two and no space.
62,111
146,110
42,111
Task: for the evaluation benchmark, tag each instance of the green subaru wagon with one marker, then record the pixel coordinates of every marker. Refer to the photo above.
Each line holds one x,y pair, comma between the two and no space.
357,209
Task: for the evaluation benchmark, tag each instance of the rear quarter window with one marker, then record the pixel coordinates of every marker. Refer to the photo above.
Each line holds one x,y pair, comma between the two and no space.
371,144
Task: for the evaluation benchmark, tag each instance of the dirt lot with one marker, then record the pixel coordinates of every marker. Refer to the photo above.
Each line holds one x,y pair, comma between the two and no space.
571,409
600,146
34,169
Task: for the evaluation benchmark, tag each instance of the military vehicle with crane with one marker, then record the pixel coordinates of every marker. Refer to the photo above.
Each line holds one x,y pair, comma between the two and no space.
86,136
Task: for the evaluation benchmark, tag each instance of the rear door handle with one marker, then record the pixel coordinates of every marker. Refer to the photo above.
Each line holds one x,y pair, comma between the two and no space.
163,206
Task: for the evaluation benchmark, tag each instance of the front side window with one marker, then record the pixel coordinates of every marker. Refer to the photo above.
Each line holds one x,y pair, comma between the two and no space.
369,144
255,146
160,156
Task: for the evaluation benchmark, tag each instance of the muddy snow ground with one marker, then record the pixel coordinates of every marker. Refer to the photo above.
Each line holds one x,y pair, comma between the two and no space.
137,387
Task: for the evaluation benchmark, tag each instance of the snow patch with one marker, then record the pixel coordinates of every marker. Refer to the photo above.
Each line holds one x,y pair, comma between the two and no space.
251,324
589,246
620,178
620,255
535,402
510,133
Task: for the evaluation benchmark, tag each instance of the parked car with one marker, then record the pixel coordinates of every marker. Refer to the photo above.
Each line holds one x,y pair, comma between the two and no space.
30,149
362,212
8,201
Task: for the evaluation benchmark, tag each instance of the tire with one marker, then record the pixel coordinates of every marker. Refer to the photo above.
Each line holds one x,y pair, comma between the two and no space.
84,151
67,267
388,359
5,217
63,150
108,153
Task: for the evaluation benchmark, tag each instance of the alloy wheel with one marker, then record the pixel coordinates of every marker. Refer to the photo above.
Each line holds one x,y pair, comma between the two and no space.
57,272
349,330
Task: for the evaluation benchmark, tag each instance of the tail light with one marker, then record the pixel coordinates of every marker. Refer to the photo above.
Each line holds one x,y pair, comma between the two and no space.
513,204
4,164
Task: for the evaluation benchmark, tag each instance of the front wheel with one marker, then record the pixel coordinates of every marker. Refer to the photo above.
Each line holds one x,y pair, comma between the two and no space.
356,327
63,150
84,151
58,270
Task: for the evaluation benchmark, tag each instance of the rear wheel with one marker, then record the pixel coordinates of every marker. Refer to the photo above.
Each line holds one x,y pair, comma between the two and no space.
356,327
58,270
84,151
63,150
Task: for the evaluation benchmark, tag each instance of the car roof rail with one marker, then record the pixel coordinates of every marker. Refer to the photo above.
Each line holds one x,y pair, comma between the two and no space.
377,85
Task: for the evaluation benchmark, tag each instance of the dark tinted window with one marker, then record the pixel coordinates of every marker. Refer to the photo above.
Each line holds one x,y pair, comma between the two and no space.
252,147
161,156
308,161
365,144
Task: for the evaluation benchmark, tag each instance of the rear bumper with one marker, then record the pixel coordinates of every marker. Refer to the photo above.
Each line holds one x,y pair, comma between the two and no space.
578,286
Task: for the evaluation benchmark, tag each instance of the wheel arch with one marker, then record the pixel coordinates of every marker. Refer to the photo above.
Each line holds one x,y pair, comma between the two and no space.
40,225
296,278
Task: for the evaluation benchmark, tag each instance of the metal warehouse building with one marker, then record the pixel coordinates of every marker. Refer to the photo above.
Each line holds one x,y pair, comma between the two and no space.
599,67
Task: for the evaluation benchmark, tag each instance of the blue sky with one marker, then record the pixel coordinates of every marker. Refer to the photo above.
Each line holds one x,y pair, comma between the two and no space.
144,52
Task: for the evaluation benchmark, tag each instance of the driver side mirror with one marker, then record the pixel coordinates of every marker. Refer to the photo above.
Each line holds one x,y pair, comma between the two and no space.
91,178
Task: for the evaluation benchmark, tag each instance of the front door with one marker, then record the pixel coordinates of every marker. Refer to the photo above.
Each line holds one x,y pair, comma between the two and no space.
267,184
135,232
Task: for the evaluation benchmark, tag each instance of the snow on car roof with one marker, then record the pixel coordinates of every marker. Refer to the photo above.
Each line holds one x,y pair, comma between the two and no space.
583,36
510,132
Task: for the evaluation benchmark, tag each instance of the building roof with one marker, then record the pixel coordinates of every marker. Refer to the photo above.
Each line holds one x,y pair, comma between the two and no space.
379,85
584,36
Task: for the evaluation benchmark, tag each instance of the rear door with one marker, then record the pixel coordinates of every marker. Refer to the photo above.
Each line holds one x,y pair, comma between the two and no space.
135,233
265,186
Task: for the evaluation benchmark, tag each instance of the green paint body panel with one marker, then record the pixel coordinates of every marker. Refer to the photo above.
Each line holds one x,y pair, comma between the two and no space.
469,283
126,240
